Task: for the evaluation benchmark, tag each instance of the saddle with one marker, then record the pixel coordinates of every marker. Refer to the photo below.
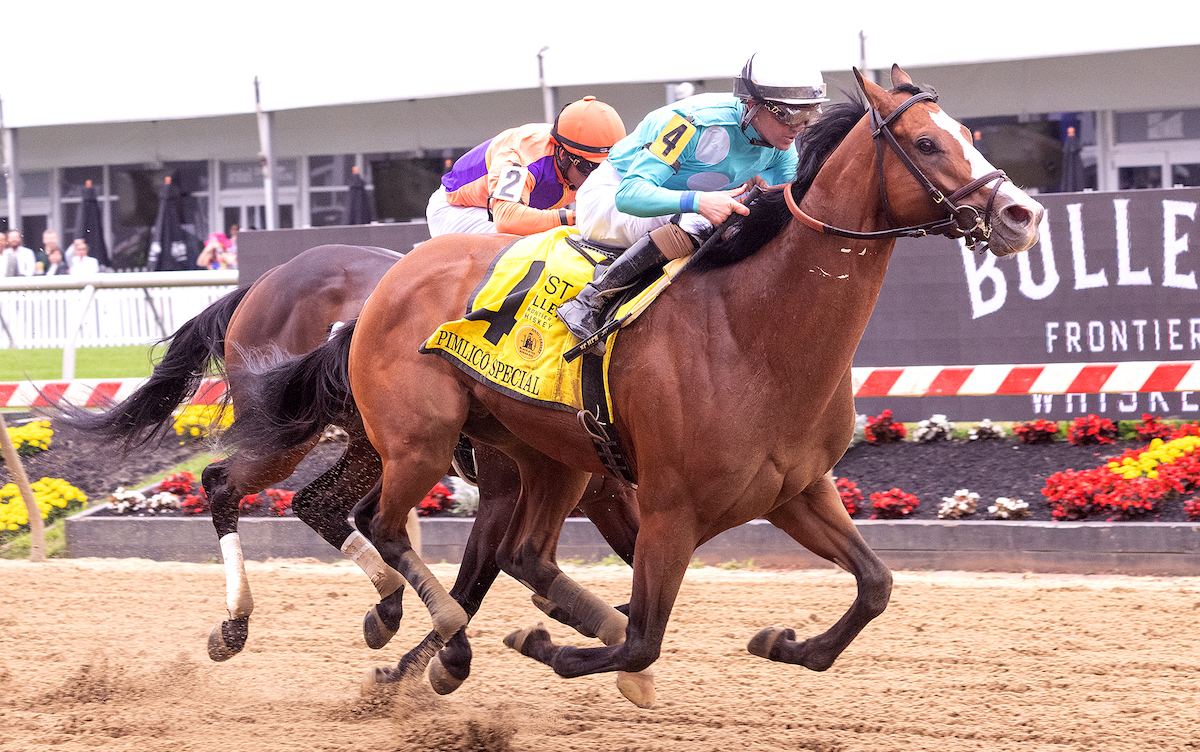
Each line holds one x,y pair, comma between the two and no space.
511,340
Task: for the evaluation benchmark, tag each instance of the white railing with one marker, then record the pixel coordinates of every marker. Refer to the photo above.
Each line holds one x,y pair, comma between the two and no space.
103,310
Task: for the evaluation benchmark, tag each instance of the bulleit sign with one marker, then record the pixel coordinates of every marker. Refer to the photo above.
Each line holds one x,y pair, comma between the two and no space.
1114,279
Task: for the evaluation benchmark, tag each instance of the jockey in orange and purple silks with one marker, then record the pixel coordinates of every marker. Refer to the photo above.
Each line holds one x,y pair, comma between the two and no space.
522,180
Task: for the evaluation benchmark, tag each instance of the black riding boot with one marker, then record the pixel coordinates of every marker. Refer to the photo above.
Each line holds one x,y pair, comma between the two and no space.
582,315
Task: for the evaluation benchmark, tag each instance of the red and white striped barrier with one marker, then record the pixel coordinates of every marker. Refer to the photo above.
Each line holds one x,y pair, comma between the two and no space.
903,381
1047,378
91,392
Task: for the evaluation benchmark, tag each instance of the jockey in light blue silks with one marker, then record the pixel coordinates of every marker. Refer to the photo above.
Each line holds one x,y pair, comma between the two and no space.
690,158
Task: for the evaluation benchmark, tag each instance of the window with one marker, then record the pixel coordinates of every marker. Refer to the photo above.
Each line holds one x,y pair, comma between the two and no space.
328,180
235,175
1166,125
404,182
1141,176
1185,175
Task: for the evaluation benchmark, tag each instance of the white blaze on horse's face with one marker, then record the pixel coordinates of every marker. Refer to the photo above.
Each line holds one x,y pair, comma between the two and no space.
1016,220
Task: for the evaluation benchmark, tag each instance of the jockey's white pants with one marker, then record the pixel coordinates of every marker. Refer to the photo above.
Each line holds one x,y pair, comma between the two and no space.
445,218
599,219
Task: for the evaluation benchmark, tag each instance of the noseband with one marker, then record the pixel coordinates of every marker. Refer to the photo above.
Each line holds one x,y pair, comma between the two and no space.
961,220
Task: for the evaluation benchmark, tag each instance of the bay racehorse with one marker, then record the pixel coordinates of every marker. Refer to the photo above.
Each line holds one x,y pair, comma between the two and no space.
291,309
732,393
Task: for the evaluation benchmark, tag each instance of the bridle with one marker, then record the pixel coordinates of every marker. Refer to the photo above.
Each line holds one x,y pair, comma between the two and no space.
961,221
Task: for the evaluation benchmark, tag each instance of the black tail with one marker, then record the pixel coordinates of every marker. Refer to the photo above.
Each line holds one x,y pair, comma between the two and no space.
148,412
293,400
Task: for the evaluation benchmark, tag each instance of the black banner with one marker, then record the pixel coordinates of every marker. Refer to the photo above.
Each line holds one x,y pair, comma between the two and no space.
1114,278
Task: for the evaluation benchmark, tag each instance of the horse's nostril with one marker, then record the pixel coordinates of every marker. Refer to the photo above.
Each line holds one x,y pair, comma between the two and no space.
1018,214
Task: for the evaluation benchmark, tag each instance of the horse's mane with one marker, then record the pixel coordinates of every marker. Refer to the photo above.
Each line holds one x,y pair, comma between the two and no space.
769,213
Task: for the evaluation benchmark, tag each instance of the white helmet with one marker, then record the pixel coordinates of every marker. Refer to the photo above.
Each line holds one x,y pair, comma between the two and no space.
769,76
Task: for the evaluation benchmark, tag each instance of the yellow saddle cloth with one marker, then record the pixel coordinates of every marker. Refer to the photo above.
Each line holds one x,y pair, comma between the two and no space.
511,338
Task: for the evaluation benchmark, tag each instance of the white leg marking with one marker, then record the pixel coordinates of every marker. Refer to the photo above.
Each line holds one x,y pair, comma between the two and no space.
237,588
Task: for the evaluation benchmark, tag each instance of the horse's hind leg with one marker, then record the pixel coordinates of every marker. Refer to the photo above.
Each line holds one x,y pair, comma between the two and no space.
817,519
226,482
323,506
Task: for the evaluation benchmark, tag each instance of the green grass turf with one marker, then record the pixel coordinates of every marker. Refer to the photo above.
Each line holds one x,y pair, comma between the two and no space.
90,363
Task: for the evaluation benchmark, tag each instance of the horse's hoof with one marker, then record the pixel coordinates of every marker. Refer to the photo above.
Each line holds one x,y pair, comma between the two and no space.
516,640
638,687
440,679
375,632
764,642
228,638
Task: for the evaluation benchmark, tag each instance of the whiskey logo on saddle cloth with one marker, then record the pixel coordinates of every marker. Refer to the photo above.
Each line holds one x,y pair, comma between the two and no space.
511,338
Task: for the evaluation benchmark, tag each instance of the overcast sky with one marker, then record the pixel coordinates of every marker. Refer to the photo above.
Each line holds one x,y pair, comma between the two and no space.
143,59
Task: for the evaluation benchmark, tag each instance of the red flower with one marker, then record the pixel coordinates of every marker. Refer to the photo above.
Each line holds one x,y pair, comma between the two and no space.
893,504
1038,432
437,500
881,429
851,496
179,484
1150,428
1091,430
196,503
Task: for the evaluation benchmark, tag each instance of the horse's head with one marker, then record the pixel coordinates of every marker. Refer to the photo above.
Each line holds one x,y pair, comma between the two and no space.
931,171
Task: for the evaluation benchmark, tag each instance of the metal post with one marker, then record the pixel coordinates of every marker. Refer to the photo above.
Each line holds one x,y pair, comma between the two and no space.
265,121
548,108
12,173
68,361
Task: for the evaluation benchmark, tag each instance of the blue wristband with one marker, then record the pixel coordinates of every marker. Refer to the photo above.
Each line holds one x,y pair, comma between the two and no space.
689,201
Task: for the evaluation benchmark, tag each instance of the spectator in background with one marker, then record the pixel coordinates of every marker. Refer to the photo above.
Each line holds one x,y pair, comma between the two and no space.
83,263
17,261
49,243
218,253
55,263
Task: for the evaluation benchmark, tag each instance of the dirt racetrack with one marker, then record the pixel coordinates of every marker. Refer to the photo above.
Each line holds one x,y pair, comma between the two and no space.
110,655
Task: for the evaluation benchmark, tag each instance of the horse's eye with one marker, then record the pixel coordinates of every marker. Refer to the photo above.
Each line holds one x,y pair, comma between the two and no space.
926,146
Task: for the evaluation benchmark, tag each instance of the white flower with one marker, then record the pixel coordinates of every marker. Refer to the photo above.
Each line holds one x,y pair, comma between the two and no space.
986,430
934,429
465,497
1008,509
962,504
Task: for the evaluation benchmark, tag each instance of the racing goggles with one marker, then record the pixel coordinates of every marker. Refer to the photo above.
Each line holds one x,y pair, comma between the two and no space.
585,166
792,114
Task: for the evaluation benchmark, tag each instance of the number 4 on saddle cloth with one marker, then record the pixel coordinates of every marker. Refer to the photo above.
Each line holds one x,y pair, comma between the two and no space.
512,341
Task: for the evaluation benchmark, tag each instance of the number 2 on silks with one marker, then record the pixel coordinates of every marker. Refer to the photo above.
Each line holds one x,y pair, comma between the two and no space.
669,144
511,185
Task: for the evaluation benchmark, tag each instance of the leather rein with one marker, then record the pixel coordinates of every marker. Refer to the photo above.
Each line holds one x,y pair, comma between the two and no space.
961,220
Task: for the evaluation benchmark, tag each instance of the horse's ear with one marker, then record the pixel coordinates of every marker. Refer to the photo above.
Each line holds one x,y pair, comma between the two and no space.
899,77
873,91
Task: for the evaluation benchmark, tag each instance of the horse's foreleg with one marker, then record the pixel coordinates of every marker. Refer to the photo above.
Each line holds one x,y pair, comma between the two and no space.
817,519
612,506
528,553
404,484
382,620
500,487
663,552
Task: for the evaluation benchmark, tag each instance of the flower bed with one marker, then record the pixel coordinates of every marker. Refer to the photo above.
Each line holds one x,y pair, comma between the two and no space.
1122,476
